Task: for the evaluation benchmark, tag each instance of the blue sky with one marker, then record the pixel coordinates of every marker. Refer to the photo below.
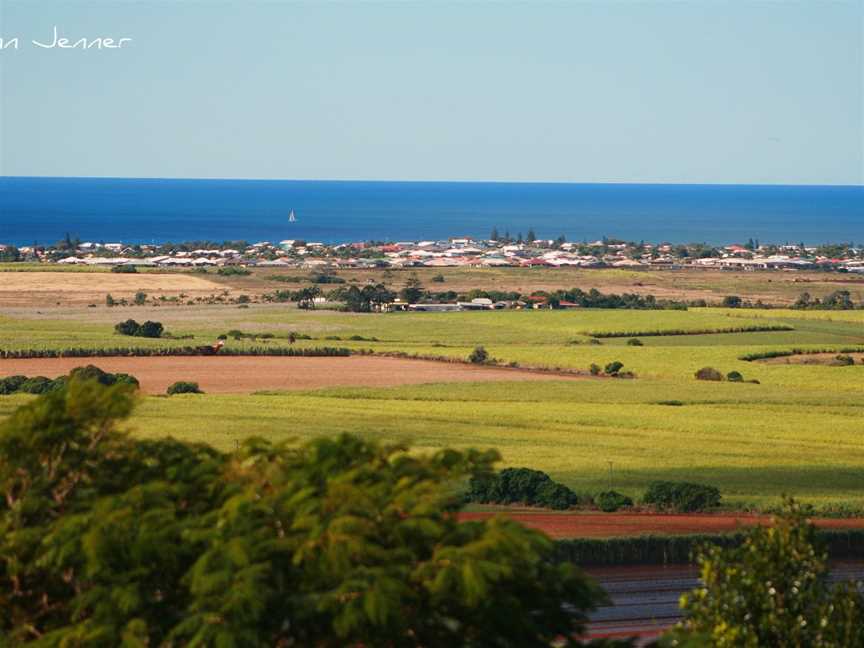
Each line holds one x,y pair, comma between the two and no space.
703,92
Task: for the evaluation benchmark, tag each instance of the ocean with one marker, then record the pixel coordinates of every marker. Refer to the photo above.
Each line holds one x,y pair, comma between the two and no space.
43,210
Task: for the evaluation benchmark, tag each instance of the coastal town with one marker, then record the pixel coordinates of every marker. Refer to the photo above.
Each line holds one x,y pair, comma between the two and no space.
494,252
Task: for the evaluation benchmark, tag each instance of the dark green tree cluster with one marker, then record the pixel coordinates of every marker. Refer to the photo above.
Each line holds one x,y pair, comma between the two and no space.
43,385
148,329
363,300
837,300
111,541
684,497
520,486
595,299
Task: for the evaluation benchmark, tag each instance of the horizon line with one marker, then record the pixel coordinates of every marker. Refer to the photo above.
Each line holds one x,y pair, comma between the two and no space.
439,181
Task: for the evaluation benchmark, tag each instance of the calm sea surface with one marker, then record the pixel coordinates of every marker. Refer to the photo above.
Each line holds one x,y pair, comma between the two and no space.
43,210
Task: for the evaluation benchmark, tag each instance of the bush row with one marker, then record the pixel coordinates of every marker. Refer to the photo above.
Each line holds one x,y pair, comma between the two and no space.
43,385
669,550
715,331
767,355
171,351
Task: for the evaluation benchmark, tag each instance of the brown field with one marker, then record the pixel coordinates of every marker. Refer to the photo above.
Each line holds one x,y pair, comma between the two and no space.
812,358
57,285
45,289
244,374
606,525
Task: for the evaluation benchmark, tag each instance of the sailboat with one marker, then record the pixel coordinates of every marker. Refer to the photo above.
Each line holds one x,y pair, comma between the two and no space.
291,217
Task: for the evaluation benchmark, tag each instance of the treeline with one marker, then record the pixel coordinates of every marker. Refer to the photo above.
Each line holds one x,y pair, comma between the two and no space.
837,300
105,352
43,385
767,355
707,331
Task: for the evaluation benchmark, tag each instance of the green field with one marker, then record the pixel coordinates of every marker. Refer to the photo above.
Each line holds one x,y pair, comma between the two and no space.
798,432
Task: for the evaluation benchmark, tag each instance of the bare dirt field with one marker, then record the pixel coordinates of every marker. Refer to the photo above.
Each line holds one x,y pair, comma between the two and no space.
69,288
244,374
605,525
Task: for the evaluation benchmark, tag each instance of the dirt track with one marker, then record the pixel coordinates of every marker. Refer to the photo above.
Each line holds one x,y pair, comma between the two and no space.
243,374
600,525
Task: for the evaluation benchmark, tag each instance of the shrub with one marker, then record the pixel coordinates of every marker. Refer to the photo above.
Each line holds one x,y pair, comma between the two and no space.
140,298
734,376
184,387
129,327
125,269
611,501
521,486
228,271
843,361
594,369
613,368
327,279
11,384
634,342
439,278
595,341
708,373
109,301
479,355
36,385
684,497
148,329
732,301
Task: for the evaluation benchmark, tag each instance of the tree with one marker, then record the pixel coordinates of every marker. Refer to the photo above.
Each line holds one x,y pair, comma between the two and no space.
107,540
413,290
306,297
531,237
479,355
140,298
9,253
732,301
771,590
494,235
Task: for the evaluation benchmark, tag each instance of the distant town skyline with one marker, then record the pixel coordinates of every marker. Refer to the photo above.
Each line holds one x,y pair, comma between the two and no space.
586,92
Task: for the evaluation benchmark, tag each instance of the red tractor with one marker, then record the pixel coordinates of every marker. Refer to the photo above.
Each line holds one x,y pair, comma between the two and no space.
211,349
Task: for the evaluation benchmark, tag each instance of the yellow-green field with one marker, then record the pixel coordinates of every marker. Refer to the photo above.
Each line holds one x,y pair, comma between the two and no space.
801,431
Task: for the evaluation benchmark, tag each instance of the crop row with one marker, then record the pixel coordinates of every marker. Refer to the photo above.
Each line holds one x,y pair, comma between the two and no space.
707,331
171,351
671,549
767,355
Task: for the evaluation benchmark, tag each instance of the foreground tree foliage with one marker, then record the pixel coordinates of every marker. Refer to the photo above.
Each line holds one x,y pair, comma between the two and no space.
771,591
110,541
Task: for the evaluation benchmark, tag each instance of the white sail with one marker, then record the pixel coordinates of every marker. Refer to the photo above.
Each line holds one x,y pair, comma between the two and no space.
291,217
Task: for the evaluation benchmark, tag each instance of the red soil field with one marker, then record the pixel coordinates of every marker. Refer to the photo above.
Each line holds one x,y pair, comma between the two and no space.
605,525
244,374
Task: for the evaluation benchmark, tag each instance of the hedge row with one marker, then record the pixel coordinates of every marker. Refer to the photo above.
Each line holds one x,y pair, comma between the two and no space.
172,351
670,550
767,355
716,331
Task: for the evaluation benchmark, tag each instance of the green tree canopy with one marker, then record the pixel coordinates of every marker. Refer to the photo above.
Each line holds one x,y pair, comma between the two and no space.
771,591
106,540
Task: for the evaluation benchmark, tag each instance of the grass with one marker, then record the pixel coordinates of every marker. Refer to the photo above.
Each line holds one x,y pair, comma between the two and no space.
798,432
754,442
